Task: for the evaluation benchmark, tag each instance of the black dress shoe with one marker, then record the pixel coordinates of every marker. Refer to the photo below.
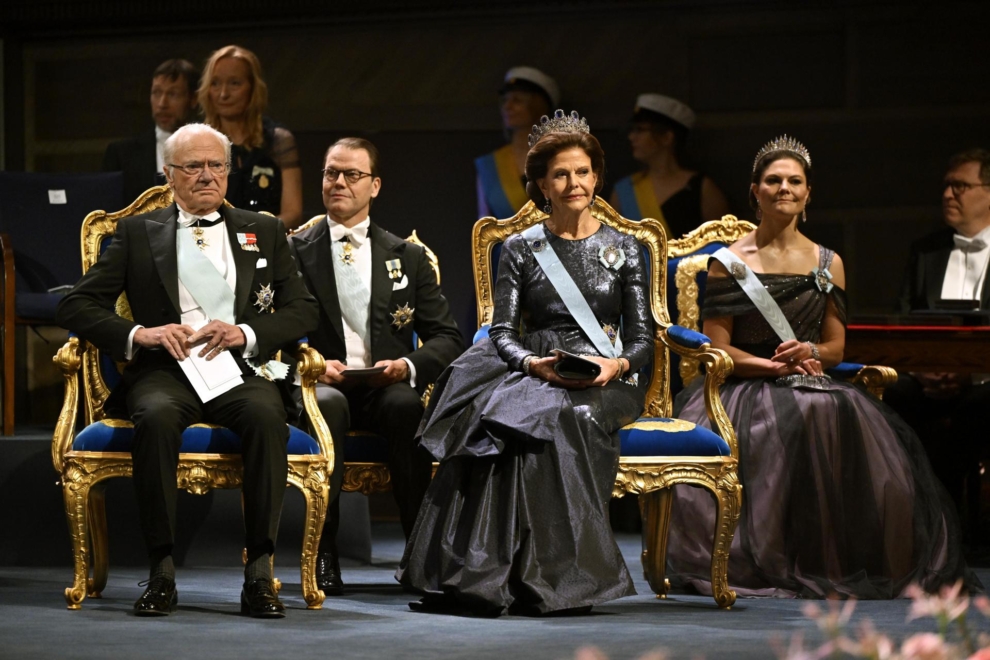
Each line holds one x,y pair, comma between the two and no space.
328,574
258,599
160,597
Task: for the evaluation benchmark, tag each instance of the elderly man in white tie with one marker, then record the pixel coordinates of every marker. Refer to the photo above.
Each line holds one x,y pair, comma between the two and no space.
375,291
948,270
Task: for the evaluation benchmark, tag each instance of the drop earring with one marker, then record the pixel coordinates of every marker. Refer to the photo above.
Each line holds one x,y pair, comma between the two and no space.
804,215
547,206
759,212
592,204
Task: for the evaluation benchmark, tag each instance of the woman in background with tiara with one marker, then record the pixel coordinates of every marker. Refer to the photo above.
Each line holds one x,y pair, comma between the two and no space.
839,498
666,189
265,174
526,95
516,518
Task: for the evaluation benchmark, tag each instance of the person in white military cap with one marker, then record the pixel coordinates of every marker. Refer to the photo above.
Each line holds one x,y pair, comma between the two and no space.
526,95
666,189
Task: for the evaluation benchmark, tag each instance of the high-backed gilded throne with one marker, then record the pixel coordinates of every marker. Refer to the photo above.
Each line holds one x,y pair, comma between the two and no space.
657,452
365,453
209,457
687,266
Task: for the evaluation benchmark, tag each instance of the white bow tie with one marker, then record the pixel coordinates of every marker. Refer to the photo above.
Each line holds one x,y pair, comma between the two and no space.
355,235
969,244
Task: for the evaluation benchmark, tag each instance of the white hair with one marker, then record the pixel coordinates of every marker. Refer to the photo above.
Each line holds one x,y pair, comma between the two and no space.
189,130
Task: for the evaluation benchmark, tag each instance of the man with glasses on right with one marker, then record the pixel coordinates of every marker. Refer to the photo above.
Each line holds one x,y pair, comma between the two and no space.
948,270
375,291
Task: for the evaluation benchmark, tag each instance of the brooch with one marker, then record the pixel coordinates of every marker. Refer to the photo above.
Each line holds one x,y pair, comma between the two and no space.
610,332
823,279
402,316
264,298
200,240
248,242
538,245
611,256
394,268
738,270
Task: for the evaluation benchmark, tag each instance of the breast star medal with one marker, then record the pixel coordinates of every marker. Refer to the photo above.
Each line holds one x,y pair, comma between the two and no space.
402,316
738,270
347,254
611,256
264,298
201,243
394,268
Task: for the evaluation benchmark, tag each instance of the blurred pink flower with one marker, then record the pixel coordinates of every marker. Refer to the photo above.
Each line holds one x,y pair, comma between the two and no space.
982,603
946,607
982,654
925,646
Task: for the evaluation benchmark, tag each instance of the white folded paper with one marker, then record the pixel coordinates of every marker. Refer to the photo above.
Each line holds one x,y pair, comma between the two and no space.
210,378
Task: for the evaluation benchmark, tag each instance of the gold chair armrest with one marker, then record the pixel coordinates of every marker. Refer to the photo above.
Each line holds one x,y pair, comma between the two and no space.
310,367
718,367
69,360
875,378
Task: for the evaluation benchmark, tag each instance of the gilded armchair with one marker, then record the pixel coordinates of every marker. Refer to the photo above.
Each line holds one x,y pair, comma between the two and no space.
209,457
657,452
687,266
365,453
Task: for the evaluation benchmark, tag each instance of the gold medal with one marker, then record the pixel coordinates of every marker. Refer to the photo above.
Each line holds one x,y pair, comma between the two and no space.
402,316
262,181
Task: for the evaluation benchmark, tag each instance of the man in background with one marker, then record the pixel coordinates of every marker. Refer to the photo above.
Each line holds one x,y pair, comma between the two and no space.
173,100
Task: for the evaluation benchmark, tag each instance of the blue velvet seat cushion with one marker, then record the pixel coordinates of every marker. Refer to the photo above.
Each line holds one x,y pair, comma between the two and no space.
365,448
845,370
36,306
687,338
195,440
663,436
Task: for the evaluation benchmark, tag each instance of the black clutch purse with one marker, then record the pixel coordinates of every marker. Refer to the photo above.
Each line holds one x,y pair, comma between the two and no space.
575,367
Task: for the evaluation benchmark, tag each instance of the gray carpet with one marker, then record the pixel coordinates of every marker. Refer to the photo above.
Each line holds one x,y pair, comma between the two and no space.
373,620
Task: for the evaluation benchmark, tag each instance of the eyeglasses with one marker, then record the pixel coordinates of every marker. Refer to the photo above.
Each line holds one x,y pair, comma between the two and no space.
350,176
217,168
960,187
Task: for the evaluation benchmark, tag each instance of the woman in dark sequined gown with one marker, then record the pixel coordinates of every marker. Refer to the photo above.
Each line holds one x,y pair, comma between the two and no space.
838,496
515,520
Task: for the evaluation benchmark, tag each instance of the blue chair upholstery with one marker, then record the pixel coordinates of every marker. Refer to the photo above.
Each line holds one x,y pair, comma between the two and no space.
657,452
209,455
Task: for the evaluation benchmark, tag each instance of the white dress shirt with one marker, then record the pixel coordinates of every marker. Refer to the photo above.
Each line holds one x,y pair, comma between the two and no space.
359,355
967,267
221,254
160,137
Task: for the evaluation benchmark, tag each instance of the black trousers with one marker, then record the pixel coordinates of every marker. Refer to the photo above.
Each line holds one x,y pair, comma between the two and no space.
162,403
393,412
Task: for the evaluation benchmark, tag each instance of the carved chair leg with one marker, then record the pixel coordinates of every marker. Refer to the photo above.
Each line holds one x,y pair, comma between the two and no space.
316,493
98,538
728,500
76,496
654,508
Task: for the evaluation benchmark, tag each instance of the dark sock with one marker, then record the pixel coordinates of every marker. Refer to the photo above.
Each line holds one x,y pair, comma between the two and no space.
163,568
259,568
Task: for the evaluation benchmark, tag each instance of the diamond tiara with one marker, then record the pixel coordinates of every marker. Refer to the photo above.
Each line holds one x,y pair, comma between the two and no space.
561,123
783,143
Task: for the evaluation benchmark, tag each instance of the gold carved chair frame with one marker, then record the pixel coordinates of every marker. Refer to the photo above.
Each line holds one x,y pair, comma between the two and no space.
83,473
649,477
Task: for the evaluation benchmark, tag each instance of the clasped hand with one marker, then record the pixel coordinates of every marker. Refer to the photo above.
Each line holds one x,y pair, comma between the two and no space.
179,340
794,357
543,368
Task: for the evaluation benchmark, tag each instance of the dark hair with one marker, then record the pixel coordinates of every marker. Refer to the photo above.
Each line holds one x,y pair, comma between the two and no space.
178,68
550,145
355,143
768,159
662,124
976,155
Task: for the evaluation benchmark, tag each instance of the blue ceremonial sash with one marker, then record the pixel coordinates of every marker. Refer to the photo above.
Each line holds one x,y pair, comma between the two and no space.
627,199
501,183
569,292
202,279
751,285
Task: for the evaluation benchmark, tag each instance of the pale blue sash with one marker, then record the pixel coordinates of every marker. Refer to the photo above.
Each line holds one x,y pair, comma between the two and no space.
352,294
569,292
753,288
203,281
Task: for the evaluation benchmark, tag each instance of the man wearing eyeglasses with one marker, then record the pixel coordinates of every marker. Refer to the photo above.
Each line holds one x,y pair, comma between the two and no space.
173,100
948,270
200,278
375,290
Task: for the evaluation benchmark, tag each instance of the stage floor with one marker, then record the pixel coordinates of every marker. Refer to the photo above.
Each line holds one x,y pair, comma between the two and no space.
373,620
